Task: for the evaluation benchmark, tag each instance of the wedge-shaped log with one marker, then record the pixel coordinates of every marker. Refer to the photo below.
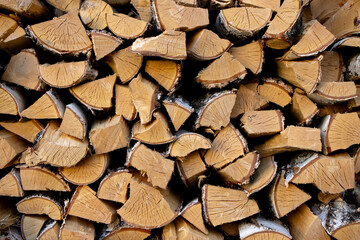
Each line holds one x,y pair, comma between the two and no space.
333,92
41,204
192,212
11,146
185,230
178,110
31,225
157,168
126,232
75,122
16,41
10,184
114,186
191,168
12,100
124,105
223,205
187,142
103,44
124,26
76,228
276,91
50,231
28,9
27,129
169,231
93,13
8,26
166,72
323,12
272,4
66,5
302,108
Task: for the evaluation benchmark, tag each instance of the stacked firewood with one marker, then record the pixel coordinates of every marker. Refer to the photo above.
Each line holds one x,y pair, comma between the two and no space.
179,119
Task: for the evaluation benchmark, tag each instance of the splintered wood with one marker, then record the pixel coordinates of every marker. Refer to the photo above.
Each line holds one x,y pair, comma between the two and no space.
179,119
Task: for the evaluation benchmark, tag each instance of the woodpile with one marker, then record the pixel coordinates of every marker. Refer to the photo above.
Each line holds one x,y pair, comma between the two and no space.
179,119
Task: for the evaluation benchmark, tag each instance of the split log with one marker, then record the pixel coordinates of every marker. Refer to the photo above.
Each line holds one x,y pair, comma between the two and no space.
56,148
326,198
276,91
12,100
315,38
191,168
11,146
125,64
302,108
16,41
76,228
357,160
8,214
109,134
165,72
75,122
261,228
114,186
42,179
272,4
123,102
169,232
10,184
125,27
262,123
169,44
230,229
8,26
93,13
223,205
352,41
96,94
50,231
221,72
127,233
66,74
339,131
41,204
62,35
228,145
330,174
156,132
353,103
144,95
65,6
262,177
48,106
240,170
242,23
247,100
333,92
161,207
280,33
103,44
186,19
323,12
28,77
178,110
29,9
250,55
28,129
288,140
31,226
332,67
206,45
86,205
143,8
193,214
304,74
157,168
332,109
353,68
215,113
185,230
187,142
87,171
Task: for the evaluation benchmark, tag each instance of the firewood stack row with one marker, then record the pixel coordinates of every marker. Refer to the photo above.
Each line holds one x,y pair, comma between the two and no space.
179,119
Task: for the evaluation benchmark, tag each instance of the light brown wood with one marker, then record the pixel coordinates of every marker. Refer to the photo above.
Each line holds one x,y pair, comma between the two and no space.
191,168
26,8
223,205
353,68
11,146
12,100
332,67
165,72
288,140
250,55
39,205
123,102
7,27
162,207
65,6
178,110
86,171
109,134
276,91
228,145
124,26
93,13
357,160
50,231
332,109
206,45
302,108
86,205
326,198
127,233
221,72
56,148
28,77
333,92
169,232
114,186
187,142
27,129
96,94
330,174
62,35
242,23
262,123
156,132
186,19
42,179
157,168
262,177
10,184
75,122
272,4
16,41
66,74
304,74
279,34
339,131
125,64
170,45
323,12
76,228
143,8
144,95
8,214
192,212
353,42
103,44
31,226
185,230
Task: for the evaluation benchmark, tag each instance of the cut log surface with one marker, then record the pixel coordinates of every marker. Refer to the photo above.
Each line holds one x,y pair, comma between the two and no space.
276,91
31,225
191,168
165,72
93,13
29,9
187,142
66,5
323,12
332,67
75,122
10,185
262,123
302,108
50,231
104,44
76,228
272,4
124,105
114,186
40,204
12,100
192,212
124,26
333,92
27,129
178,111
127,233
143,8
11,146
169,232
8,26
16,41
185,230
352,41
